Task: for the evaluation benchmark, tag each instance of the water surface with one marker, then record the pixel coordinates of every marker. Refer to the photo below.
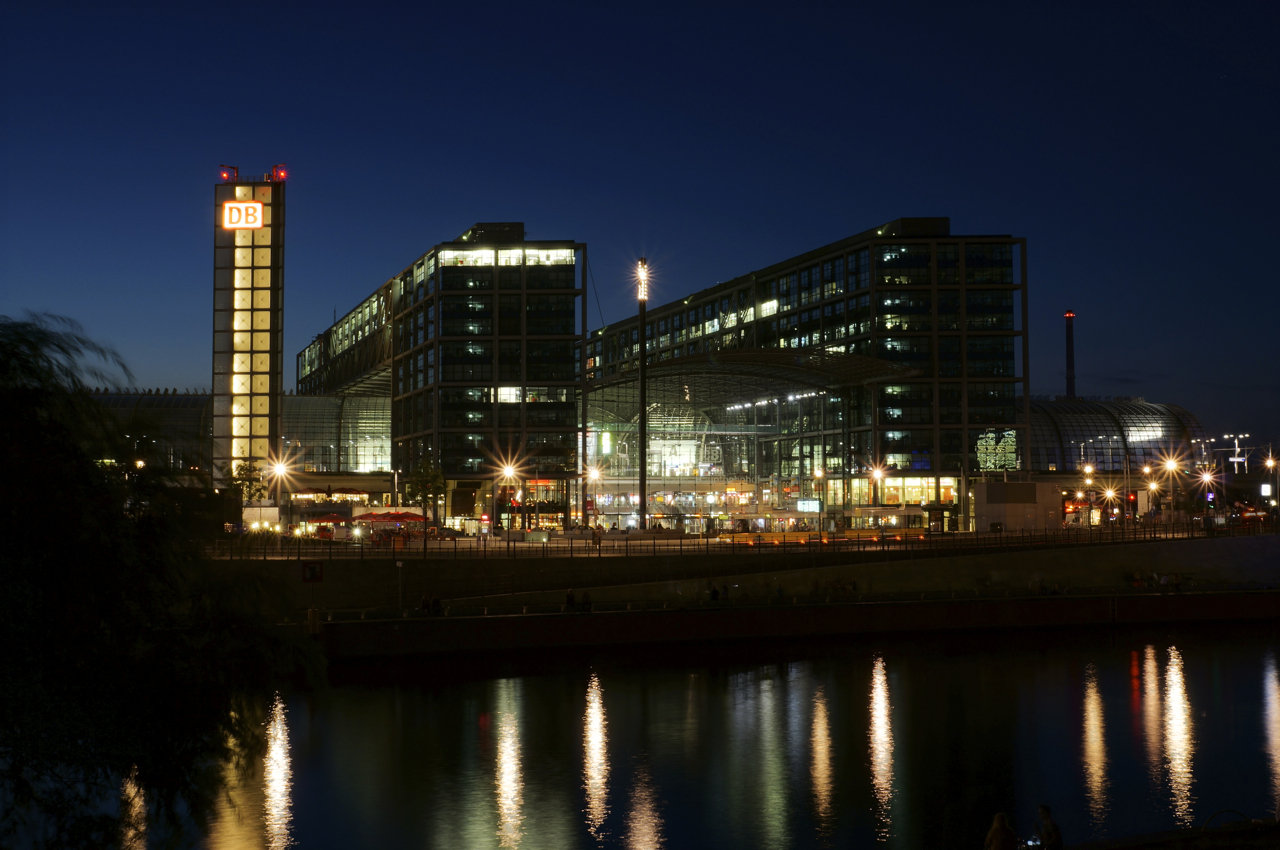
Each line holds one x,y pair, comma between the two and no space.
899,742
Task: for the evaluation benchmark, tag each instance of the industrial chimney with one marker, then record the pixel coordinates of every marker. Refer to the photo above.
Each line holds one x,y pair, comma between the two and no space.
1071,355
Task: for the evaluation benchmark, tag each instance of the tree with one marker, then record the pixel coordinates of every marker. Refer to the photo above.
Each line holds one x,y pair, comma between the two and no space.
425,484
246,479
130,660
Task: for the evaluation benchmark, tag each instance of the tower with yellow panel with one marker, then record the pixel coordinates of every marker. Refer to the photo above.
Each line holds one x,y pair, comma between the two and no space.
248,320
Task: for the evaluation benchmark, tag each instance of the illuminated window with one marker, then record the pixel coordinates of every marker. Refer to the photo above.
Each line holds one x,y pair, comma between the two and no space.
260,426
262,320
240,363
244,193
261,236
240,447
261,278
244,257
244,300
261,299
259,446
482,257
240,426
510,258
768,308
240,384
244,237
240,321
261,383
261,405
261,257
243,278
549,257
509,395
261,341
240,405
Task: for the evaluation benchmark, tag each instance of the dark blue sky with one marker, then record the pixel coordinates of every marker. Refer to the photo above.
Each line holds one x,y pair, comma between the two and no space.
1132,144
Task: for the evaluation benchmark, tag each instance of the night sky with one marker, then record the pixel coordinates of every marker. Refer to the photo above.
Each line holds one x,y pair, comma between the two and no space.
1132,144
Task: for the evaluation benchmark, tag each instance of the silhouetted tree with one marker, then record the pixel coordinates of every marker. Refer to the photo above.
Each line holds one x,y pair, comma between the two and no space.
126,653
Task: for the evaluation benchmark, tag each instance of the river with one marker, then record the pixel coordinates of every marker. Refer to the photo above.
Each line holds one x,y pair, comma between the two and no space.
895,742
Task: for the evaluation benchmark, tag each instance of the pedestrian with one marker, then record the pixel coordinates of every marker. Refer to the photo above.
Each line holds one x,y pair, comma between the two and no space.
586,600
715,593
1177,582
724,593
1000,836
1050,835
569,600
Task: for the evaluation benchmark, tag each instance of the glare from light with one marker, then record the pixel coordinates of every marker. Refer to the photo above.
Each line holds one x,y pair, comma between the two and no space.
1153,730
279,469
1111,494
594,475
1271,462
1171,465
508,471
1153,486
1088,481
1146,469
1206,477
817,473
1079,495
139,463
1088,469
877,474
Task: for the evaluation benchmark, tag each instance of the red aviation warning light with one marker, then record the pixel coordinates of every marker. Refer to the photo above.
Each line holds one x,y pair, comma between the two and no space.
279,173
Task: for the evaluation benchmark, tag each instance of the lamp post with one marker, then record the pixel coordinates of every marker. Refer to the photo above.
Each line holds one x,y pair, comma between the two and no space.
1171,466
642,296
817,485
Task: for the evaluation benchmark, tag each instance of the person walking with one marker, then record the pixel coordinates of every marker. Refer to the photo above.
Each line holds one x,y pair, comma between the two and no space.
1000,836
1050,835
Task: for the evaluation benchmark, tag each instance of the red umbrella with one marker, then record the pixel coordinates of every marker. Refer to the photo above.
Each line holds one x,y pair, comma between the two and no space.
369,517
330,519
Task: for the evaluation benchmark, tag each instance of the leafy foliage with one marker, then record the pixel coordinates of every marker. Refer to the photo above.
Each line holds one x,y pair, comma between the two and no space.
425,485
127,656
246,479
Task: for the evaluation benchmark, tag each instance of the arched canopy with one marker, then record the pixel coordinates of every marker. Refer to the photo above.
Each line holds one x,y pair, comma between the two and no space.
742,376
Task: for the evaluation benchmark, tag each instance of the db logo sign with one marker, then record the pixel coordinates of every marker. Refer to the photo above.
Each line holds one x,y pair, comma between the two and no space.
241,215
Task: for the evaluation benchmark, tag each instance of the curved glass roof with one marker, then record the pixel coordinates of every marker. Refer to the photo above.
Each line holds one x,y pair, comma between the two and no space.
1107,435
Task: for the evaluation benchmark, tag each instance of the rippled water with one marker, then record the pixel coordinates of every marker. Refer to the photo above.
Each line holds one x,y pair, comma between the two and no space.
898,743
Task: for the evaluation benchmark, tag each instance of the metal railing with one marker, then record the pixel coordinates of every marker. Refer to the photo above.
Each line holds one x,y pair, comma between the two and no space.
891,544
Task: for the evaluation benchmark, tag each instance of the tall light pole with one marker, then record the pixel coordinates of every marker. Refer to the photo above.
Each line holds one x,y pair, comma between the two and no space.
642,295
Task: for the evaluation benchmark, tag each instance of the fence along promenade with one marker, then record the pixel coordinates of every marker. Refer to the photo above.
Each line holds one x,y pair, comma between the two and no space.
914,542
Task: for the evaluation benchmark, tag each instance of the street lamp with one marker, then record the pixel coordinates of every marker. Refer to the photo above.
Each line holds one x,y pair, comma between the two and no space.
642,296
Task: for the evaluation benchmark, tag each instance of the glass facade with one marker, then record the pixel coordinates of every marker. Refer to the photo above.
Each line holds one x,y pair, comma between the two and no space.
482,365
950,308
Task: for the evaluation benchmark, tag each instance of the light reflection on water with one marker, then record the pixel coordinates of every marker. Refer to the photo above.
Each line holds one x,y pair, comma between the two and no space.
1179,740
133,814
1095,750
820,769
1271,724
771,755
510,785
644,822
881,736
1151,717
277,779
595,767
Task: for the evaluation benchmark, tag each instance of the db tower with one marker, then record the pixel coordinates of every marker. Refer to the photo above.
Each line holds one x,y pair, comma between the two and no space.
248,319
